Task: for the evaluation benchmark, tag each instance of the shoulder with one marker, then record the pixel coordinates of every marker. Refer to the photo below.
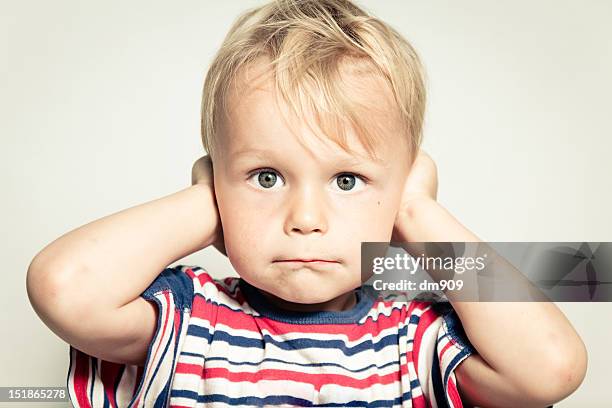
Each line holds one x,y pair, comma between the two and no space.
185,282
437,324
426,316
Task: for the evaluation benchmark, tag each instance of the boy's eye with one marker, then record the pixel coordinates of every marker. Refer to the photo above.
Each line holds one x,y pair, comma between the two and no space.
268,178
346,181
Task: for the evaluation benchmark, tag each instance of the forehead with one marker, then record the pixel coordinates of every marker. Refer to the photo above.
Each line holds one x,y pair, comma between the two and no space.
258,118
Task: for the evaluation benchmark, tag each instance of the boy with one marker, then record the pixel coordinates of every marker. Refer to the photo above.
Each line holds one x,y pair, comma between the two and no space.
312,114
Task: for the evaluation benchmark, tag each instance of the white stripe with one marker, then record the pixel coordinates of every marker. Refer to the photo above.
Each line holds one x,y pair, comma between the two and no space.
210,292
127,383
382,310
274,365
182,382
71,390
98,385
295,388
306,356
159,343
426,357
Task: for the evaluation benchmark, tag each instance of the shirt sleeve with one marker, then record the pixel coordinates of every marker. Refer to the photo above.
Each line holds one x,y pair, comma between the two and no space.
440,345
93,382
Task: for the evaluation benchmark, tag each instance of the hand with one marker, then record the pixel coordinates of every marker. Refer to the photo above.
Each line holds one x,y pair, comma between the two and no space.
421,183
422,179
202,173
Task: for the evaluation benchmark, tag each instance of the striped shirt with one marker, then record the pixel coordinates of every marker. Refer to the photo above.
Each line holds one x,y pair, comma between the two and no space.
219,342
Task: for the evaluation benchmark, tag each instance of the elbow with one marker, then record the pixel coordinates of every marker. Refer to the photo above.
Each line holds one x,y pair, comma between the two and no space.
562,376
50,293
39,287
42,289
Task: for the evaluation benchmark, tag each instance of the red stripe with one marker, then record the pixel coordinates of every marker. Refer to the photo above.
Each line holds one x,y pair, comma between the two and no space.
413,356
450,343
109,372
81,377
420,402
317,380
189,272
204,277
454,394
221,285
177,322
410,356
239,320
404,368
426,319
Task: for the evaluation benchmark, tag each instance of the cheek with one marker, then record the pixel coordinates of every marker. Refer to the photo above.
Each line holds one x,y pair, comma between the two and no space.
370,221
242,229
247,232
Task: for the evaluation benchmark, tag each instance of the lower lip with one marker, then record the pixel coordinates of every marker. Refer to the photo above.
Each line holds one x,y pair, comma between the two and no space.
308,262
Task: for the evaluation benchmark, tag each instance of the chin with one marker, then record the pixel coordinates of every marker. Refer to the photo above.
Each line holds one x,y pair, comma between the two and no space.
309,294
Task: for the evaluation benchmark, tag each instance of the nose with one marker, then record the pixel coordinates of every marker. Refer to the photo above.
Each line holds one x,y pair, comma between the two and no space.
306,211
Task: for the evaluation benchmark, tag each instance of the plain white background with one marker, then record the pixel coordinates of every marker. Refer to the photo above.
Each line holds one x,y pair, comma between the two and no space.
100,105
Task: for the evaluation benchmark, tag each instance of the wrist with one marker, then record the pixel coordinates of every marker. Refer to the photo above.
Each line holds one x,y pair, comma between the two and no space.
206,215
414,203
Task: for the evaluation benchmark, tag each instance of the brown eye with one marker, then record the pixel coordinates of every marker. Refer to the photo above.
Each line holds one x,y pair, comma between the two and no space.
267,179
346,182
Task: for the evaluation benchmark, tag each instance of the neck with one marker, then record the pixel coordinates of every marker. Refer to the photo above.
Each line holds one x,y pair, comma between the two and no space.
343,302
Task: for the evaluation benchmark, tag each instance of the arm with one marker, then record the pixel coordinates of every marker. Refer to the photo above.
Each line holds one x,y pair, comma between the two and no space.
85,285
529,354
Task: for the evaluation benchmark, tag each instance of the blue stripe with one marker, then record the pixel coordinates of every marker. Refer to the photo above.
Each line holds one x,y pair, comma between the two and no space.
438,386
276,399
106,400
186,353
454,362
290,363
285,399
70,368
118,380
163,396
92,375
175,280
292,344
413,318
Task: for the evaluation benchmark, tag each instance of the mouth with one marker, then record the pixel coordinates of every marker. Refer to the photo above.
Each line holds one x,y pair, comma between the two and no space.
311,261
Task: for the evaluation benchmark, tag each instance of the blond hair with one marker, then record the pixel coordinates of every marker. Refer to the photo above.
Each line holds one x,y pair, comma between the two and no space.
305,41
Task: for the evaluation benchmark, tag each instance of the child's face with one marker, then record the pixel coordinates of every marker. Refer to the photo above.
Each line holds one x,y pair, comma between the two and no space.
280,200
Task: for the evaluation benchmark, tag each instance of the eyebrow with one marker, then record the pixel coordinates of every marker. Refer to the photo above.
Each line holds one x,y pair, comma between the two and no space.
265,154
255,152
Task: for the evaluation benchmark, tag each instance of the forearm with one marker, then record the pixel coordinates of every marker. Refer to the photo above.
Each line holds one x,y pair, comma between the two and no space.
112,260
518,340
